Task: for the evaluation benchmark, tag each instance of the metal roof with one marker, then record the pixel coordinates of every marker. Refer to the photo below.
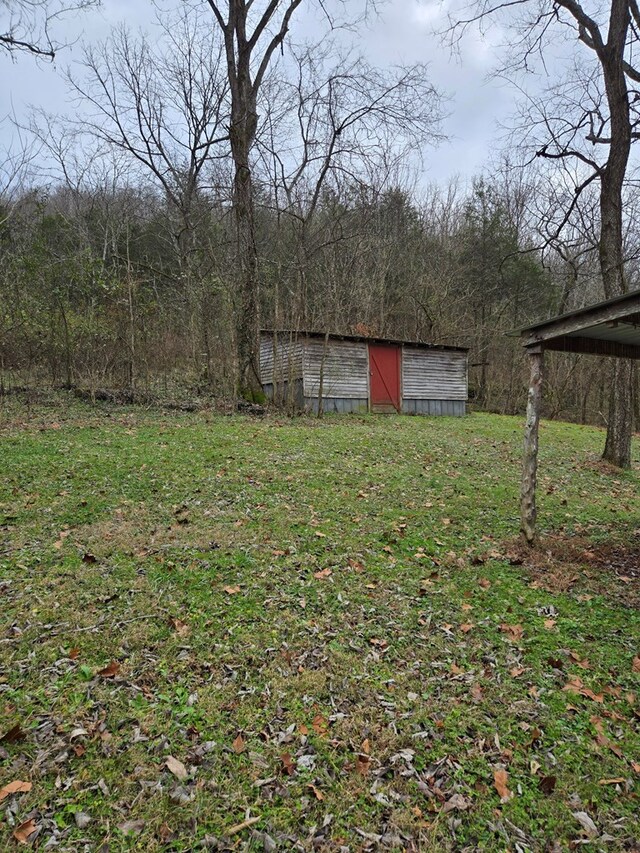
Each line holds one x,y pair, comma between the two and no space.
363,339
609,328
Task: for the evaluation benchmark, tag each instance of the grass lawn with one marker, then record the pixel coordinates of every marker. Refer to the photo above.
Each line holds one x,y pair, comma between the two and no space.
246,634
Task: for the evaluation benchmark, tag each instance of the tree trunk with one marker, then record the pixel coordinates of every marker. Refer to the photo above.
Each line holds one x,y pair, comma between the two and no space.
617,449
248,304
248,314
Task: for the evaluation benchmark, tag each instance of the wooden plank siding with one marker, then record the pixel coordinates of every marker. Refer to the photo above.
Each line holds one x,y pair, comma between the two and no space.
346,369
288,362
434,375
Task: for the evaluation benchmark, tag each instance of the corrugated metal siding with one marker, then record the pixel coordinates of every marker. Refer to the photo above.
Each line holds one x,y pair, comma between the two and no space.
346,369
288,359
453,408
340,405
433,375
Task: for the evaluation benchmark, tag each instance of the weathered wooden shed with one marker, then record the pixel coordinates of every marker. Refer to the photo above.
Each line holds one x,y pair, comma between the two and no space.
357,374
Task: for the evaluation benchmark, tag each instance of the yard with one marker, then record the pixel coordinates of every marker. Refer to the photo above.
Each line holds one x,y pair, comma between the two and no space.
251,634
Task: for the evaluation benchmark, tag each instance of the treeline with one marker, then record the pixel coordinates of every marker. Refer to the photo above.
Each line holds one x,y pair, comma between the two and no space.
93,293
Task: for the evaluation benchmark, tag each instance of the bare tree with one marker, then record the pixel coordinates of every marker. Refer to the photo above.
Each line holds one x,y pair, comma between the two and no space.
592,118
27,25
164,106
338,120
252,34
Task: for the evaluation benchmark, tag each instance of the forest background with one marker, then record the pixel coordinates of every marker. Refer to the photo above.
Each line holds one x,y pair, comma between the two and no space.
120,262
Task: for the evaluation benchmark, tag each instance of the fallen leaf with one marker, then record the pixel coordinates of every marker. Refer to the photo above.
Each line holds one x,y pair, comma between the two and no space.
500,779
619,780
176,767
166,833
363,763
603,740
320,725
231,590
318,794
22,832
476,693
14,734
576,685
82,819
582,663
238,745
466,627
74,653
485,583
516,671
287,763
16,787
132,827
550,624
636,664
181,628
323,573
320,534
455,669
548,784
380,644
513,632
110,670
586,823
456,802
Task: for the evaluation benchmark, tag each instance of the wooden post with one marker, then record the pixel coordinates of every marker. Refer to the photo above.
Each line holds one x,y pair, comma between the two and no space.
530,461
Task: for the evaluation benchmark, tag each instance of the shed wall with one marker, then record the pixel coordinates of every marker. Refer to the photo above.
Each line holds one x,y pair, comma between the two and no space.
288,361
346,369
433,375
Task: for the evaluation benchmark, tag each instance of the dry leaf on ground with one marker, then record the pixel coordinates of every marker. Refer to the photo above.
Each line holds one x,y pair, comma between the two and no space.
22,832
110,670
500,779
176,767
16,787
513,632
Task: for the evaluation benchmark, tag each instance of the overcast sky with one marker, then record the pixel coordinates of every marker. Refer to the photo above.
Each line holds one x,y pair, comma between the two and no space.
402,34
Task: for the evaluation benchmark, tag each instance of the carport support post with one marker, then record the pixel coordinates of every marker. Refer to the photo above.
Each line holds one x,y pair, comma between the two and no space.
530,461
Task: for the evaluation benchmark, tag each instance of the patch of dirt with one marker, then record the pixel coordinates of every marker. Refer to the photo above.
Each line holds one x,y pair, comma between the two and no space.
561,563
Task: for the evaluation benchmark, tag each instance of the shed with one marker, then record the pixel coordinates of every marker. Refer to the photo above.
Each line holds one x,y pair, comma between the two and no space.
610,328
359,374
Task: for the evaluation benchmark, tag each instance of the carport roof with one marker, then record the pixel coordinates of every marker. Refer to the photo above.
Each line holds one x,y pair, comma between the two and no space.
610,328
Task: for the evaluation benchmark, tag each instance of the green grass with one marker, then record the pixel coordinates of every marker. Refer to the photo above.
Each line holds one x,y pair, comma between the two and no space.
363,549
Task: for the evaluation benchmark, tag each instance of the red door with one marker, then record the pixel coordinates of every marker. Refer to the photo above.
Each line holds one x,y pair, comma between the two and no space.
384,377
